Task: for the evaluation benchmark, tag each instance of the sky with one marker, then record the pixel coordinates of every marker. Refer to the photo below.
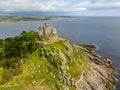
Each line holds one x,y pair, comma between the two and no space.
62,7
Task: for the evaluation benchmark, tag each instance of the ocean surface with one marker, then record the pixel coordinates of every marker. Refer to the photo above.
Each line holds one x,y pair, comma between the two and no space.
103,31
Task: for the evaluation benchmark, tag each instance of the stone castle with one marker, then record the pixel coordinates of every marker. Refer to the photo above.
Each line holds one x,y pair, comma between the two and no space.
45,30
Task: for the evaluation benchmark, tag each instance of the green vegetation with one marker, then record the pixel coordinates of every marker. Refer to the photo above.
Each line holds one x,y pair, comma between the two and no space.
24,18
37,62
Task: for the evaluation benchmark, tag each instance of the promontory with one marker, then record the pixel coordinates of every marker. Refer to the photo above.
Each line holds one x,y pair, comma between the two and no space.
43,60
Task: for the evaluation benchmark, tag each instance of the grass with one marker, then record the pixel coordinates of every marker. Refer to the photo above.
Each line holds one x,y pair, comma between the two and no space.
43,65
1,71
16,87
1,50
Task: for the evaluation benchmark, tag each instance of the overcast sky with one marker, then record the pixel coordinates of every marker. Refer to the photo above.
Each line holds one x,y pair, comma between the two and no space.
70,7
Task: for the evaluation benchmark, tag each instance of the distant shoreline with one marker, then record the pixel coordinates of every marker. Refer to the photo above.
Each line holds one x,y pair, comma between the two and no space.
4,22
8,19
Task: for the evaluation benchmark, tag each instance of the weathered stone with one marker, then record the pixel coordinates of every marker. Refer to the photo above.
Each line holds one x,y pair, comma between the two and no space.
63,70
63,58
99,78
66,88
42,88
60,76
68,76
45,30
62,62
33,82
67,68
65,81
51,54
72,81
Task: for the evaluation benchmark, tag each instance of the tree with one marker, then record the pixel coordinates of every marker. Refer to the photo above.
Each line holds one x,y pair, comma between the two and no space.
1,41
23,32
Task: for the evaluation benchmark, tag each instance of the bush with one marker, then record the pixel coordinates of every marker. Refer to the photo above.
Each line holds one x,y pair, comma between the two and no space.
17,71
6,76
1,41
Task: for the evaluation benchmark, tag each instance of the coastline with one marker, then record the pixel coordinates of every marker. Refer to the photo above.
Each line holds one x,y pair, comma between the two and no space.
101,70
9,19
4,22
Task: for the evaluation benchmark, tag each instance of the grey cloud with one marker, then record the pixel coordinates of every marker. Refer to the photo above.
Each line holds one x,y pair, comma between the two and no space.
32,5
104,8
58,5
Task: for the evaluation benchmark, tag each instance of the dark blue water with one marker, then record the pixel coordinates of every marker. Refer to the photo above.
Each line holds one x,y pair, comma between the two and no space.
105,32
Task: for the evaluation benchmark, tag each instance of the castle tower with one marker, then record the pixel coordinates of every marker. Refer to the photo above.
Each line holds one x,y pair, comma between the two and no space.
40,28
45,30
46,24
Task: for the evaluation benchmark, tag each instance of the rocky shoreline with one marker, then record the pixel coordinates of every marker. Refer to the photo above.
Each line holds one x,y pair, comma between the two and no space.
101,75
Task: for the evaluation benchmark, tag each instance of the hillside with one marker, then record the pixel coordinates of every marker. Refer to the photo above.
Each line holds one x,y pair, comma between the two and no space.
33,62
5,19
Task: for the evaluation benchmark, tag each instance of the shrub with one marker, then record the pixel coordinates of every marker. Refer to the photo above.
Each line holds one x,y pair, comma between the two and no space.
6,76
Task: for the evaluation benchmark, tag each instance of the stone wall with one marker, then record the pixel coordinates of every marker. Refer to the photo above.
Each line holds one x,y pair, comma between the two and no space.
45,30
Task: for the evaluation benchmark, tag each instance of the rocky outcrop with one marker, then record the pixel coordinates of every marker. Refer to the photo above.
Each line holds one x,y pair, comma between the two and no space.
100,75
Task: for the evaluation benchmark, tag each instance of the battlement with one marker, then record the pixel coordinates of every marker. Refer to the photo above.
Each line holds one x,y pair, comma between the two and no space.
45,30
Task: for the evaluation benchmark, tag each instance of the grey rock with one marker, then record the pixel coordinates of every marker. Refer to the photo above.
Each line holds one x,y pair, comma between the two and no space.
66,88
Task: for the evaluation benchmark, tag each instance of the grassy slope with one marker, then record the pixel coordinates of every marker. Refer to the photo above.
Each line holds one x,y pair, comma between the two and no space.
42,68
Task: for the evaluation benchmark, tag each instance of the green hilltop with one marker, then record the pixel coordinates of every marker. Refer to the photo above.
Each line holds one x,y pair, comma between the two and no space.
45,61
33,62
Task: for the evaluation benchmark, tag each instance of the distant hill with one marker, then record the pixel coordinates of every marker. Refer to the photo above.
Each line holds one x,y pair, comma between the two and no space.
4,19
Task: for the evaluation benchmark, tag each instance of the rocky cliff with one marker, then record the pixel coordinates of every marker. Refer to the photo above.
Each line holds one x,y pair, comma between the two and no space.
101,74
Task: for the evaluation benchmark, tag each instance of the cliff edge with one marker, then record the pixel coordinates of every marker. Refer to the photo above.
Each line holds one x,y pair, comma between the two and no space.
101,74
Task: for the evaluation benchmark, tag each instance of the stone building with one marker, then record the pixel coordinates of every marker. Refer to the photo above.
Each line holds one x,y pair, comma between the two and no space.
45,30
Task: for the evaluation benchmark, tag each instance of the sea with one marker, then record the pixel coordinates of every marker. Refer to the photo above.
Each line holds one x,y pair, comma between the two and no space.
102,31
